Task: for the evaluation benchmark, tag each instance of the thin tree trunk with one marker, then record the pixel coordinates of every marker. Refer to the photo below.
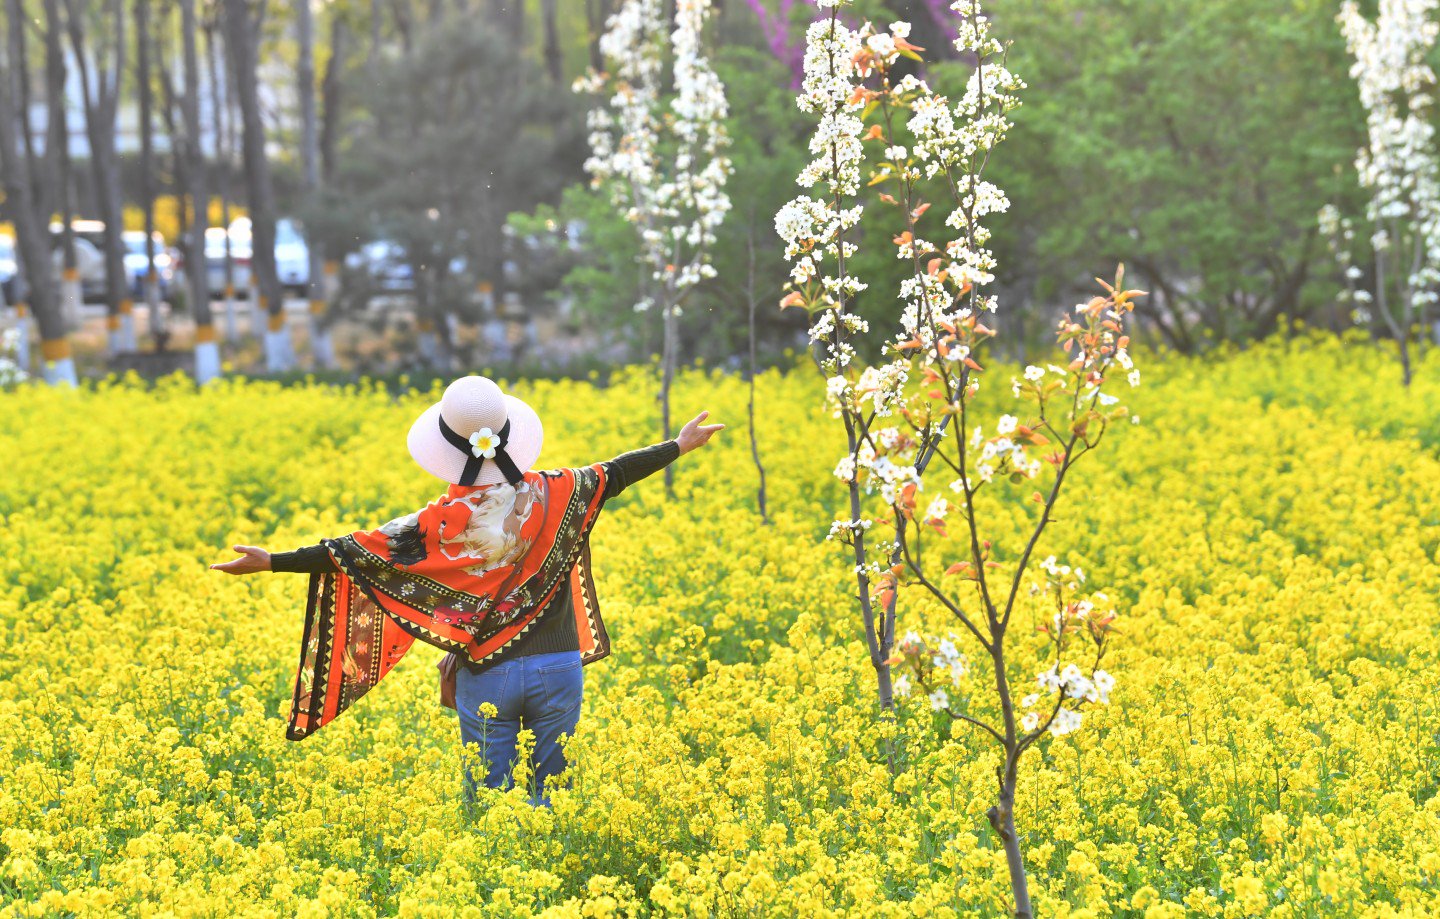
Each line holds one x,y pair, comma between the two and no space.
554,60
754,372
46,169
310,162
597,14
243,30
19,179
220,107
332,98
404,23
69,292
669,345
101,99
207,349
1002,819
159,327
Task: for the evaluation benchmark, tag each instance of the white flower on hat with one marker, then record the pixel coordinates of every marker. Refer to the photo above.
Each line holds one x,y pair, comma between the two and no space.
483,443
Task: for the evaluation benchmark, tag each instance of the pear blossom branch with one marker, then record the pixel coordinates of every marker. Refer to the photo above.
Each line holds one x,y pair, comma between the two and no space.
931,373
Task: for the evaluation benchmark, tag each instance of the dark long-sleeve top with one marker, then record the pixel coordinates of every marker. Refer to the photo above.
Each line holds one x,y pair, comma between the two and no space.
554,628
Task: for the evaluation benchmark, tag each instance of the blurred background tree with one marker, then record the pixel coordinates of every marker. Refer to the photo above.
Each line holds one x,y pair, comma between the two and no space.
1193,140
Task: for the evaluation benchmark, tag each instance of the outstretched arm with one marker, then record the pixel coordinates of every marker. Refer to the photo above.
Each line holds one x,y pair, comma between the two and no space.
308,560
628,468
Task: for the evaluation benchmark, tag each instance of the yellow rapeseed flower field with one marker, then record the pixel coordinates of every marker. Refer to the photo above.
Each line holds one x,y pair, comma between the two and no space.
1269,534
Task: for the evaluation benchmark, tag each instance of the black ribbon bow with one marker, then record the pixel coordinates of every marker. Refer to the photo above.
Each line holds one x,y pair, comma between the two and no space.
474,463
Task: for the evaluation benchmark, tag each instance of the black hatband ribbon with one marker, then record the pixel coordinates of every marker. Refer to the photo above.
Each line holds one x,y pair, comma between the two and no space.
474,463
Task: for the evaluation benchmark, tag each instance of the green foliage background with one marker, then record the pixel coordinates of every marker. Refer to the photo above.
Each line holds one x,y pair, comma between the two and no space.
1195,141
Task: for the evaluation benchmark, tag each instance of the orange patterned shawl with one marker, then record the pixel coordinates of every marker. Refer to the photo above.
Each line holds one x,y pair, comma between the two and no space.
468,573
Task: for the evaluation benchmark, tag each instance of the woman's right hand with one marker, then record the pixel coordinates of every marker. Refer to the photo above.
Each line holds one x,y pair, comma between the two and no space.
251,560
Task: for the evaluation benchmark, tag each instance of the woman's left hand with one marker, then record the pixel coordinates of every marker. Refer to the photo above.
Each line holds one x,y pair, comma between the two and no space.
696,435
251,560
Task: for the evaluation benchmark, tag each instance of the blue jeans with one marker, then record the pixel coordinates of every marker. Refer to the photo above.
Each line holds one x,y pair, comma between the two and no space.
541,692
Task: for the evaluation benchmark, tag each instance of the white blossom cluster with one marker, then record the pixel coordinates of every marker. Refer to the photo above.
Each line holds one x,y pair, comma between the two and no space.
664,164
1001,454
954,140
1062,576
844,530
813,228
877,471
11,372
944,663
1400,164
1069,684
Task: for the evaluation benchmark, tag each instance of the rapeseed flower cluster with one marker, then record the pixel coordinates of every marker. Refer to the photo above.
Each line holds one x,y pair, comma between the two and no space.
1272,746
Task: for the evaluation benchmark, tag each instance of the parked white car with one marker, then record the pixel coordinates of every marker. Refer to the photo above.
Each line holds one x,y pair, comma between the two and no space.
215,261
292,255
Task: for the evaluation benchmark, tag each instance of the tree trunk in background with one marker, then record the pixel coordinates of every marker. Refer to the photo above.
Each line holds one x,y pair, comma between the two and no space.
372,57
219,109
242,36
101,96
46,169
179,161
331,97
404,22
158,312
59,134
554,58
597,12
489,245
20,176
310,163
71,296
207,350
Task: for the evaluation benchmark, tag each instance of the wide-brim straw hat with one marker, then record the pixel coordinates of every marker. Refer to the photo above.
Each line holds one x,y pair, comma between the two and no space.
472,406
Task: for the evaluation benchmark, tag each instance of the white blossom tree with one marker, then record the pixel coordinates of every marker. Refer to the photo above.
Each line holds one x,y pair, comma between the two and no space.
1398,168
662,156
913,462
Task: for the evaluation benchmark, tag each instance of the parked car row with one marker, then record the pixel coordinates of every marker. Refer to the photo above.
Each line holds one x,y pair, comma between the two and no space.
383,264
292,258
